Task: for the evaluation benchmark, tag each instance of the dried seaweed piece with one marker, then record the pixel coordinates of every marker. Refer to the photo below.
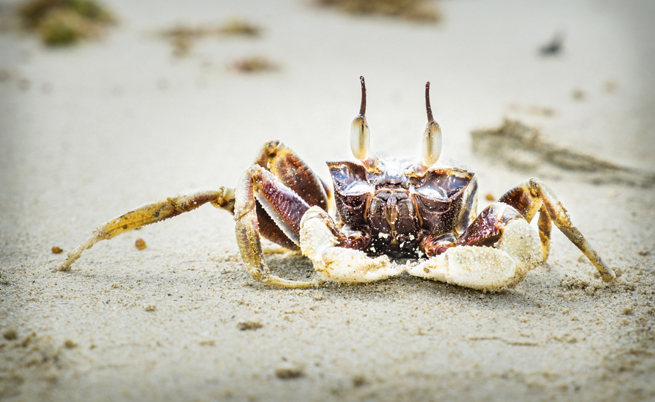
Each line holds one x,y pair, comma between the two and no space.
524,148
64,22
289,372
416,10
255,64
10,335
183,36
240,27
249,325
65,27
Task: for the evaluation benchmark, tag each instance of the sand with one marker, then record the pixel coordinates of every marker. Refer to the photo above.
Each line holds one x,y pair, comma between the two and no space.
89,132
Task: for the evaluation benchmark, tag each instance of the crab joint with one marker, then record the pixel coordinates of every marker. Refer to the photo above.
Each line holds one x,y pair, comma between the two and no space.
431,146
360,136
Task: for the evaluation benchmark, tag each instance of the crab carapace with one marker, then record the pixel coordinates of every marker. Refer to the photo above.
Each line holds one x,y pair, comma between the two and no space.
386,206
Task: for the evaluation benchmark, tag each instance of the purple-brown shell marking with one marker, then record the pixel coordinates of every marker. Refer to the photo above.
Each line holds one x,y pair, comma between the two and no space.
397,210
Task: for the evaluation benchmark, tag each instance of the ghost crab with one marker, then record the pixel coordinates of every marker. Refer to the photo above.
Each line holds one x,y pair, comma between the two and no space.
385,206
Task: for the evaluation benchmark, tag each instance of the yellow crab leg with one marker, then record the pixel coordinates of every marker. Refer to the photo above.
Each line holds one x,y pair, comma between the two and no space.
152,213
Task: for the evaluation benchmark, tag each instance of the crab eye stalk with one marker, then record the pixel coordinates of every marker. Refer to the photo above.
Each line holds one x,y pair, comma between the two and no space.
431,148
360,136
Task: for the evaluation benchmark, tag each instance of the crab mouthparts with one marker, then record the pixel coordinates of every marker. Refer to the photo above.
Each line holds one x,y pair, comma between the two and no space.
391,211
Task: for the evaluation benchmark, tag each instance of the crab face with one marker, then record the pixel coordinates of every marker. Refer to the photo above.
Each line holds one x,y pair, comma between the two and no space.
397,201
395,205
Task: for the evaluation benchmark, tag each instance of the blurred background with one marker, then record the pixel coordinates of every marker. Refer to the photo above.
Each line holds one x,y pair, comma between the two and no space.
162,78
107,105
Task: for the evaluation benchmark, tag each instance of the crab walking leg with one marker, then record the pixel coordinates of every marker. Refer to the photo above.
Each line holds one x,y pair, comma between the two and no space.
320,242
282,205
533,195
475,264
287,166
545,226
152,213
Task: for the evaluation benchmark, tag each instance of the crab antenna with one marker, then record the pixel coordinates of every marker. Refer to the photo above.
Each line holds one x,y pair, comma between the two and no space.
360,136
431,145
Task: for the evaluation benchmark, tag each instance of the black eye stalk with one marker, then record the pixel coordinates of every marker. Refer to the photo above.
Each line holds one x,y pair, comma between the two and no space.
362,107
360,136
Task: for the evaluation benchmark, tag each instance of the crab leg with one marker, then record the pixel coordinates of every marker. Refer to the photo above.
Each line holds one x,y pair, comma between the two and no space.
321,242
260,188
152,213
533,195
289,169
278,159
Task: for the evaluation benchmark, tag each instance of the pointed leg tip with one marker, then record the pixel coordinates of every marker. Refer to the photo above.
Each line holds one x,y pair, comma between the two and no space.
64,267
608,276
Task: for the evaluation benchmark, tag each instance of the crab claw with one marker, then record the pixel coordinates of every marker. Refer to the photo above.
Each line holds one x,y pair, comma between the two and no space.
331,261
360,136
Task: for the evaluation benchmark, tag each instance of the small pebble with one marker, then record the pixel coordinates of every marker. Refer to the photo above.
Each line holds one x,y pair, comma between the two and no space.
289,372
578,94
140,243
249,325
10,335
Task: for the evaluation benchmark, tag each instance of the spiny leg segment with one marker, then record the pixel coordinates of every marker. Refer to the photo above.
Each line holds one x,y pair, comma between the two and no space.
533,195
259,187
285,164
270,201
152,213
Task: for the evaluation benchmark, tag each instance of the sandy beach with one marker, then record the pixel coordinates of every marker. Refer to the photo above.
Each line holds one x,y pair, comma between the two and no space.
92,131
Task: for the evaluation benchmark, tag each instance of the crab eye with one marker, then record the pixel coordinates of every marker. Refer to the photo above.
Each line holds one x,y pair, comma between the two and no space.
431,145
360,136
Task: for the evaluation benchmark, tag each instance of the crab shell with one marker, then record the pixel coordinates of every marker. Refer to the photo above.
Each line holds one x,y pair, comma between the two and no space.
398,204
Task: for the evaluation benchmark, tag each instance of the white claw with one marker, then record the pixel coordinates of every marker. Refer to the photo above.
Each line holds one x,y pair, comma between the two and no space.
487,268
472,267
336,263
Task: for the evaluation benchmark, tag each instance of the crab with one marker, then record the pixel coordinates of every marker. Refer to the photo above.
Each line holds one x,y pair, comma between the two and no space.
385,208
